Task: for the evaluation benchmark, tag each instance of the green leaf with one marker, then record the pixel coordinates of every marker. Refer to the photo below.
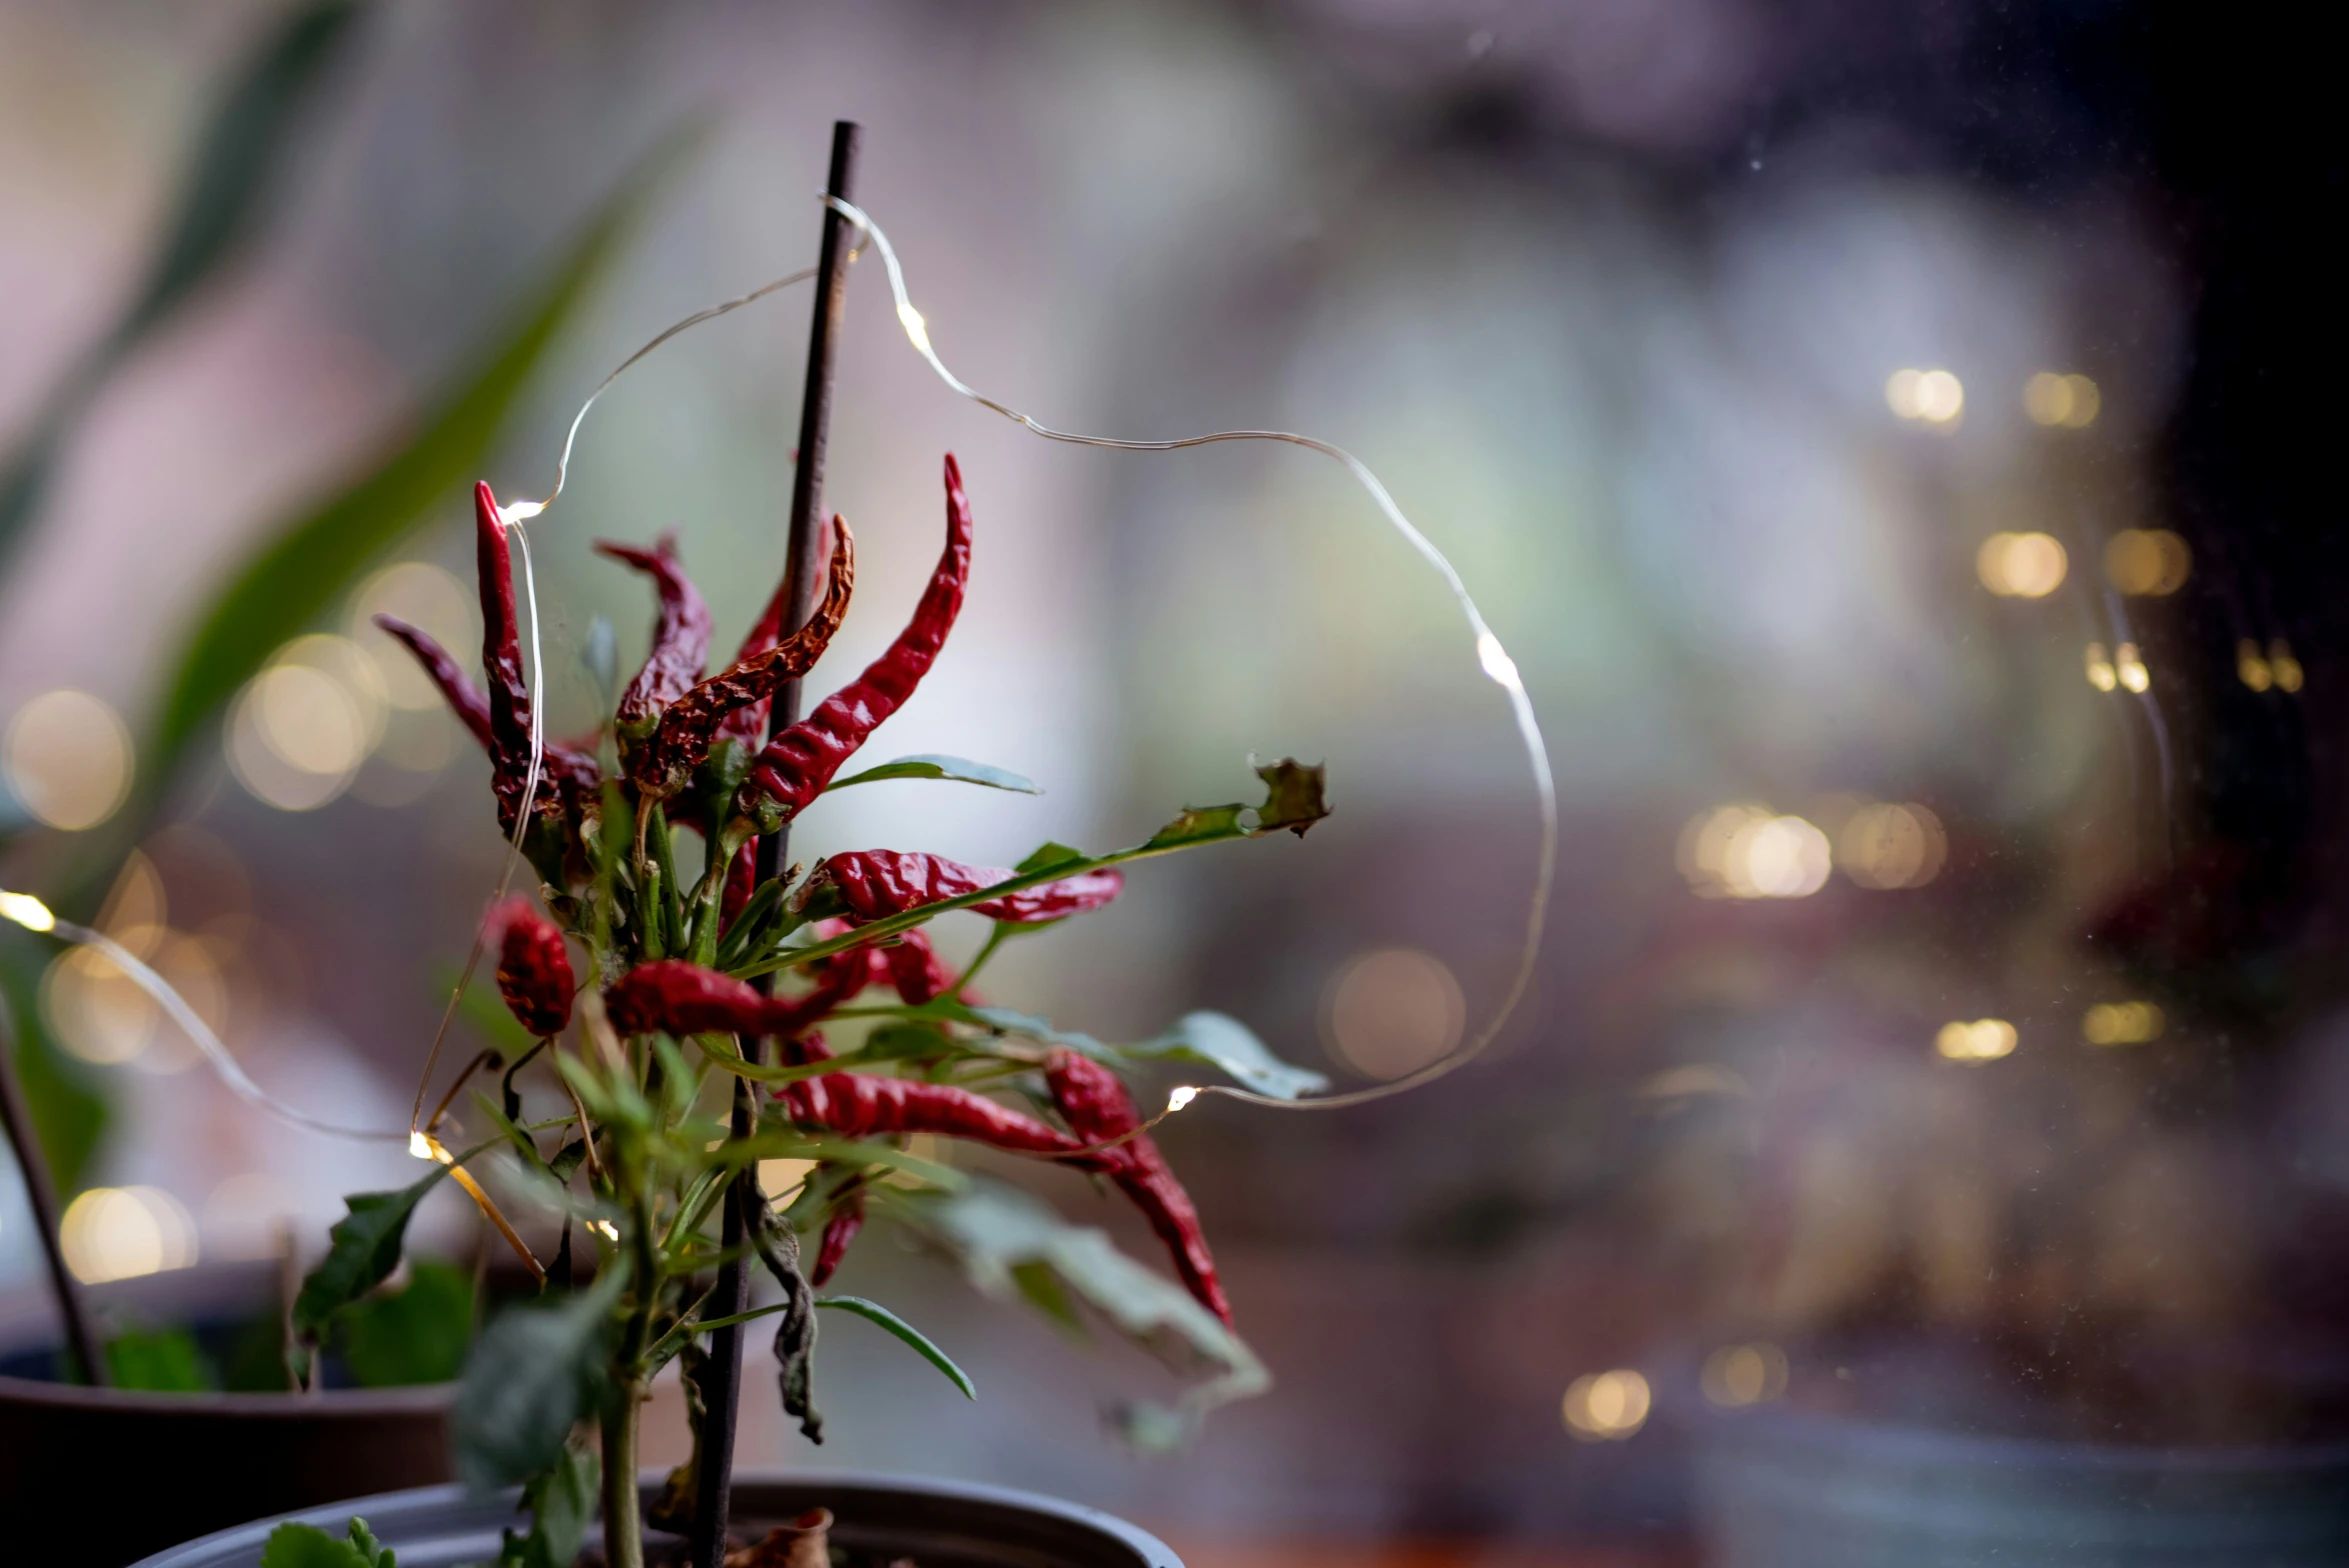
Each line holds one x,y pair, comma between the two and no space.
164,1361
296,576
239,156
416,1335
1220,1041
930,766
1005,1020
873,1312
1200,825
906,1042
562,1503
361,1252
1002,1237
535,1374
69,1113
293,1545
1049,854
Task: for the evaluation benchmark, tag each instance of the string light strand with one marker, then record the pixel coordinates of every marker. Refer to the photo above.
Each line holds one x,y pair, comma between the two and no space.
1491,657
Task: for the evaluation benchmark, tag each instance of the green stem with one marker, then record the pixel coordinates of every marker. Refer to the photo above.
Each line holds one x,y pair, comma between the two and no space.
623,1526
995,936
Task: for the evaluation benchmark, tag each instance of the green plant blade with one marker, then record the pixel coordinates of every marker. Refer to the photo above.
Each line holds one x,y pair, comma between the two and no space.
293,1545
928,766
240,155
296,576
534,1375
873,1312
1221,1041
362,1250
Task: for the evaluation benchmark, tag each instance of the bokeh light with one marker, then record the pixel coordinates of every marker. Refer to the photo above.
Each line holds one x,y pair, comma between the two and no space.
67,758
427,598
123,1232
1928,397
2147,561
1607,1406
297,736
2129,666
1392,1011
2021,566
2069,401
2101,674
1886,846
2121,1023
1749,851
1983,1040
1737,1376
2276,668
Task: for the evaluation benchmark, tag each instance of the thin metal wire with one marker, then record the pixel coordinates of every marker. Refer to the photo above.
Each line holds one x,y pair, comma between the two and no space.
1491,657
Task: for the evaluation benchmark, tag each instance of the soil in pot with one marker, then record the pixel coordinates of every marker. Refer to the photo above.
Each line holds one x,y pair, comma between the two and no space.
189,1461
880,1520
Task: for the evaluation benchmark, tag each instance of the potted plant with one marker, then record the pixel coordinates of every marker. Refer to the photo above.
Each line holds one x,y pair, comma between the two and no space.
639,986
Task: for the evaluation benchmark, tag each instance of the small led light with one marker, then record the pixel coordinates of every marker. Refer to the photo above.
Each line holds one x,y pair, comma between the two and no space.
27,911
915,327
1180,1096
605,1229
1497,663
419,1146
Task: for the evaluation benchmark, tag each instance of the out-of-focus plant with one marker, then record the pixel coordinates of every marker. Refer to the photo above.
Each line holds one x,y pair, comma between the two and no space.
642,1165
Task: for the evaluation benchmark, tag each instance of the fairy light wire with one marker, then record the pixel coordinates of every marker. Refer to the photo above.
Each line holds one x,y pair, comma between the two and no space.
34,915
1491,657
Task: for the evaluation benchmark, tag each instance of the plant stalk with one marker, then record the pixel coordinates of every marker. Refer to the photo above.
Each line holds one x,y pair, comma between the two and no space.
41,1194
721,1382
623,1513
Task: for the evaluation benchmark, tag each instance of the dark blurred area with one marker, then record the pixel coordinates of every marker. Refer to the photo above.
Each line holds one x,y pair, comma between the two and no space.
1893,442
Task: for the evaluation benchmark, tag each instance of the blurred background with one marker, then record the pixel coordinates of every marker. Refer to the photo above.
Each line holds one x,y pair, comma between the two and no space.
1890,440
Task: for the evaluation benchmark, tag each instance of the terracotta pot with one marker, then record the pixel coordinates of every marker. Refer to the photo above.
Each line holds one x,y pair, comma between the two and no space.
201,1460
878,1519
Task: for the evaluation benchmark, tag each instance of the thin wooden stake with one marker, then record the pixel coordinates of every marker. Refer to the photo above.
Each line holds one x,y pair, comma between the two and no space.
43,1197
721,1377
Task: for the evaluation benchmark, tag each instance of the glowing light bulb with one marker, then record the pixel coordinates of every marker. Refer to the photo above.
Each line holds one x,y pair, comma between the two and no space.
27,911
915,327
2101,674
1180,1096
1497,663
605,1229
419,1146
2130,666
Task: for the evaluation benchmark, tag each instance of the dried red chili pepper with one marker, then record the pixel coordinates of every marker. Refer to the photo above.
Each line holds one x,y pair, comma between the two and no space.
733,705
872,884
858,1105
916,970
456,687
501,659
800,762
681,634
1094,1103
534,967
680,998
848,1217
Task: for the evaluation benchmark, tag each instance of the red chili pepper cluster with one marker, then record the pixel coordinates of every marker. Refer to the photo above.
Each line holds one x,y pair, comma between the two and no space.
873,884
800,762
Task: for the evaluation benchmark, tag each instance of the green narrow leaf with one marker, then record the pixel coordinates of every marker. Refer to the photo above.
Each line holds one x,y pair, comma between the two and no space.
239,157
533,1376
295,578
1049,854
362,1250
873,1312
930,766
293,1545
1220,1041
562,1503
1199,825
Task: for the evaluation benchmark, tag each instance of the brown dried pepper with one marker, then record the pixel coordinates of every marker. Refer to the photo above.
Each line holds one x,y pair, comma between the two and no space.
534,968
681,634
872,884
733,705
680,998
1094,1103
858,1105
798,764
567,769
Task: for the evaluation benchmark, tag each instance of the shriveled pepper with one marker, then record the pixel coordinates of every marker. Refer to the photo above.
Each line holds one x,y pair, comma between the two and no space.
534,968
676,997
872,884
681,634
848,1217
798,764
858,1105
568,769
1094,1103
733,705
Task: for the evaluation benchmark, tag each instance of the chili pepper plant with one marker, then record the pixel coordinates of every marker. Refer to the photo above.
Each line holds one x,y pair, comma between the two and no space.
650,995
